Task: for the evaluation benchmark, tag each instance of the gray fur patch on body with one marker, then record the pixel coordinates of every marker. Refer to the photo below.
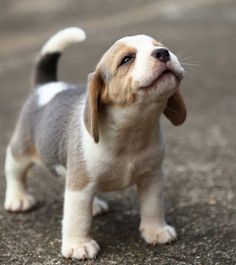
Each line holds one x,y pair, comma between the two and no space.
45,128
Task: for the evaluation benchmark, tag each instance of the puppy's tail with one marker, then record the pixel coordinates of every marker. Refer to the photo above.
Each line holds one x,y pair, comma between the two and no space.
46,67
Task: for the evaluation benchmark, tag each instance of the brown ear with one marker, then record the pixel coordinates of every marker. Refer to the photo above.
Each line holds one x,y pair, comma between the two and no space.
175,109
95,83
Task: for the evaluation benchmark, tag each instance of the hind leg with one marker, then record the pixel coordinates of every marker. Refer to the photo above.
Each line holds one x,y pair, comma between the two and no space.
17,198
99,206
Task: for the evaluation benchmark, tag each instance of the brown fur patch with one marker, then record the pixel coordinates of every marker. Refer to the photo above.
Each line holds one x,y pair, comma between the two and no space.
77,177
118,89
17,157
21,144
20,151
77,182
95,85
175,109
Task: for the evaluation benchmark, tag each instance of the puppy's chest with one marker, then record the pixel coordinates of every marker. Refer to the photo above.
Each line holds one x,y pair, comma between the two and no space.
117,171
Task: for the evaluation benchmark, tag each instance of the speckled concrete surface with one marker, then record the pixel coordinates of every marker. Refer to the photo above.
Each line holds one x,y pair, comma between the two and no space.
200,158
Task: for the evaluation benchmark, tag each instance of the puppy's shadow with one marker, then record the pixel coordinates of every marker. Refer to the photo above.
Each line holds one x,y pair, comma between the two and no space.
117,229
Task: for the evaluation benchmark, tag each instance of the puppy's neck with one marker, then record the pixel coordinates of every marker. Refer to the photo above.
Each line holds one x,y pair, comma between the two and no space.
132,128
136,116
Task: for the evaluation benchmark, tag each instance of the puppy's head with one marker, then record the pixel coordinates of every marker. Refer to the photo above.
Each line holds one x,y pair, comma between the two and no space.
135,70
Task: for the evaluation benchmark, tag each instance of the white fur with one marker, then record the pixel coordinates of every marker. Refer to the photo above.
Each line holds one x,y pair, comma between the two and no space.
93,152
144,71
76,241
17,197
175,65
47,92
153,226
154,234
101,161
144,46
61,170
63,39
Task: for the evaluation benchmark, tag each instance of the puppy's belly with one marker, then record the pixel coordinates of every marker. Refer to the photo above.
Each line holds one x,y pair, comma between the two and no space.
122,173
117,178
114,184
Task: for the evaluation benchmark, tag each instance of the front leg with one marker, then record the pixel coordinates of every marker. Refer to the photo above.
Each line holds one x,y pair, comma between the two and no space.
77,220
153,226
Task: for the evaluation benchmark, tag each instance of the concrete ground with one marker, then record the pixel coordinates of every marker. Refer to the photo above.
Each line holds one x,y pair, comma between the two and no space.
200,158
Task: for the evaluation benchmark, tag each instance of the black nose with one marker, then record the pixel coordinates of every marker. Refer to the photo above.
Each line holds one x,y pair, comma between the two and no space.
162,55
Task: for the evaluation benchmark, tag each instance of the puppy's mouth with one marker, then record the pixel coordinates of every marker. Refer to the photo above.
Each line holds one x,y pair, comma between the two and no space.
165,74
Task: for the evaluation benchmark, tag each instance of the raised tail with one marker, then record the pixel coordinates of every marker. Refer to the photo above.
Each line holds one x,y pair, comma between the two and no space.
46,67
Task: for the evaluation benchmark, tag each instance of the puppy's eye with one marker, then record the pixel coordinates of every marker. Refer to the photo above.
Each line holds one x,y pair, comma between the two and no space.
128,58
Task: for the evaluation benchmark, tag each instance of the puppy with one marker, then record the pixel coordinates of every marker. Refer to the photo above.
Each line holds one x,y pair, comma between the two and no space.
103,137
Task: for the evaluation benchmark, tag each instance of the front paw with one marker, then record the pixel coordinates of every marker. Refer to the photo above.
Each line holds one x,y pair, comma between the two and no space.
19,202
81,251
158,234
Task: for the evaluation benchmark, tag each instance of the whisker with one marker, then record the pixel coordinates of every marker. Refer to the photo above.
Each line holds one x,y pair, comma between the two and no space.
192,64
185,58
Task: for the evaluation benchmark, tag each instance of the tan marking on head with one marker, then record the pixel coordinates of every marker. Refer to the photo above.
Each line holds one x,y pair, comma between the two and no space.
118,89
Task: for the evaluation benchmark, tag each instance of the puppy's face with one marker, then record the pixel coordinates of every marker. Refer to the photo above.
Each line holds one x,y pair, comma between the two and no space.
138,68
135,70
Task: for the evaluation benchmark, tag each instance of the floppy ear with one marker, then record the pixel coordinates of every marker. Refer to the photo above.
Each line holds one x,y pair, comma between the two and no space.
175,109
95,83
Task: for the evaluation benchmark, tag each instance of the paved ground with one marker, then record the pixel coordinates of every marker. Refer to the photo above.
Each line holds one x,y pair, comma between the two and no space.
200,162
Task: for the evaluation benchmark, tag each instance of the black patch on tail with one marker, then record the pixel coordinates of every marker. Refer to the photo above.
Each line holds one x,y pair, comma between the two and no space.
46,69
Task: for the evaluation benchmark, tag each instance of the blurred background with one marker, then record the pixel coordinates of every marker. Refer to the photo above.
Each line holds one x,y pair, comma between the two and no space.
200,157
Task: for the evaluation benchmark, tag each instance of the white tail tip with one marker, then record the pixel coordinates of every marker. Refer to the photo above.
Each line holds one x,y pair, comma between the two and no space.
63,39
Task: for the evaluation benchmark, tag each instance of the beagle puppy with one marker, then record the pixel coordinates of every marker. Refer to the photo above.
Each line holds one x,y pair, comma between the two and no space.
103,137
